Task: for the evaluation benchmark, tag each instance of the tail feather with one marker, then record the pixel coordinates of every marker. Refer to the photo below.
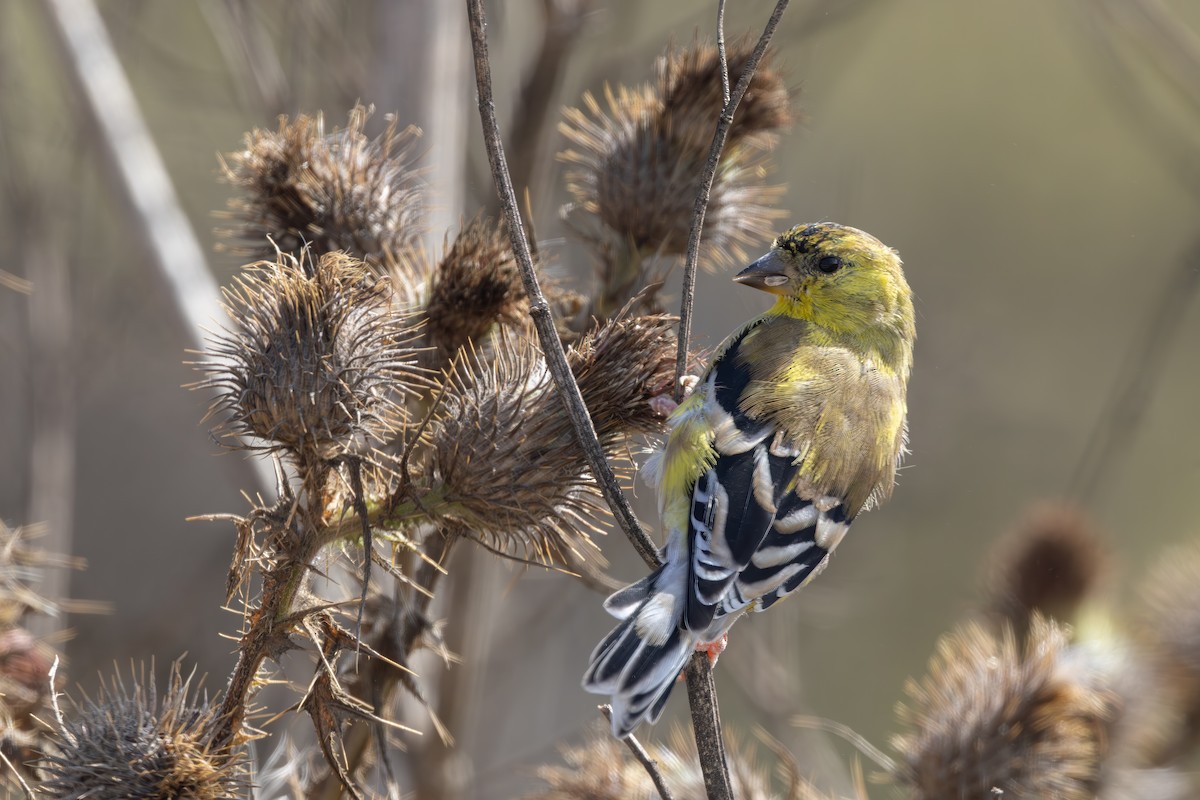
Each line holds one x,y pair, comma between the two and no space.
622,603
638,675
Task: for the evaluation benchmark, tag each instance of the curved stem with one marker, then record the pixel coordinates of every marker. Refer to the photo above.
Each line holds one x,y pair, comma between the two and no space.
706,179
539,309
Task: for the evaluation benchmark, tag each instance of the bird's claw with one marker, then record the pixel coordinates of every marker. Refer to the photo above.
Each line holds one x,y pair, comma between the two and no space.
714,649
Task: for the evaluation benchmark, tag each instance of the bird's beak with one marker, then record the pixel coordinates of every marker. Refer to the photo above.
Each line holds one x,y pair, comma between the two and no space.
767,274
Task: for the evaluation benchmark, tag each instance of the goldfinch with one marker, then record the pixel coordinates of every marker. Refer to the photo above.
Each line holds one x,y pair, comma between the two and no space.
797,425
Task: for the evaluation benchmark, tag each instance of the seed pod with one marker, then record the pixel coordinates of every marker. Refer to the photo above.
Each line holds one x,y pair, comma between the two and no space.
336,191
636,165
317,359
991,719
127,743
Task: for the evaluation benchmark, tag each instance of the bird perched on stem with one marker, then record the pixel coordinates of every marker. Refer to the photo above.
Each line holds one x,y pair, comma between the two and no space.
797,425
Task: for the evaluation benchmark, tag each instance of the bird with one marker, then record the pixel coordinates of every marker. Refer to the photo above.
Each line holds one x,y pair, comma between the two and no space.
797,426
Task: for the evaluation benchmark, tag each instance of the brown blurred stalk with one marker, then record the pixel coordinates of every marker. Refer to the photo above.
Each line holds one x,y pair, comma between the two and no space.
52,402
137,169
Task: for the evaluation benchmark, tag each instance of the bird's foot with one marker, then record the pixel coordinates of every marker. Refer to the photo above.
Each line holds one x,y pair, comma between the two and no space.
714,649
662,403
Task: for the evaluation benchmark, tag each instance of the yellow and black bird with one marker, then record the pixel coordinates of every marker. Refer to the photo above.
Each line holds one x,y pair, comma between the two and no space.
797,425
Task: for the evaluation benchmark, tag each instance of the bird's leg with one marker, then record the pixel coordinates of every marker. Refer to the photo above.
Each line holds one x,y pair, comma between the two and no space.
662,403
715,648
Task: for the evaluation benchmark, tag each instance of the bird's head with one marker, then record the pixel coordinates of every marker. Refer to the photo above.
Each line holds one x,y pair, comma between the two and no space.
838,277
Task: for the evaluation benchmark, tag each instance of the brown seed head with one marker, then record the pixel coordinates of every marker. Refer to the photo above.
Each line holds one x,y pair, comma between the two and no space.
504,453
602,768
689,83
476,285
636,166
24,688
127,743
316,359
1049,564
504,461
620,366
336,191
988,720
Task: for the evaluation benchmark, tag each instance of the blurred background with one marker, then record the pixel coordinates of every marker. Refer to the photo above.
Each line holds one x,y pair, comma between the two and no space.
1036,164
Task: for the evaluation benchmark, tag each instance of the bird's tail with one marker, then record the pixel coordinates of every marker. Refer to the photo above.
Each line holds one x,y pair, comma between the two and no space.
638,662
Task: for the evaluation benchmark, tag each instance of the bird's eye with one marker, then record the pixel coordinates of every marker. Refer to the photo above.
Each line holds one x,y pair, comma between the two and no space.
829,264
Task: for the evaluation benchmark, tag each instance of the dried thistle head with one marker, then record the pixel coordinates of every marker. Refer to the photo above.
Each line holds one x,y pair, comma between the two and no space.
503,461
476,285
1049,564
991,719
130,743
503,453
689,83
620,367
1169,623
24,664
602,768
635,167
335,191
316,359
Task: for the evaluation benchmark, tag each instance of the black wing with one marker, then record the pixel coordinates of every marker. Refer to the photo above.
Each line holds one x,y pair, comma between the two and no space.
752,539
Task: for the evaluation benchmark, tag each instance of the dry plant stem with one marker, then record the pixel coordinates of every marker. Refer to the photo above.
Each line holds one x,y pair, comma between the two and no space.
11,767
260,638
643,758
281,583
93,67
706,724
706,179
539,309
724,59
380,678
706,718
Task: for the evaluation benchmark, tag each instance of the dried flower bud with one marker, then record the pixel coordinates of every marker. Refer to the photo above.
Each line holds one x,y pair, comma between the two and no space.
503,459
505,455
620,367
1049,564
476,285
689,83
337,191
636,167
602,768
316,360
1170,626
24,664
989,720
130,744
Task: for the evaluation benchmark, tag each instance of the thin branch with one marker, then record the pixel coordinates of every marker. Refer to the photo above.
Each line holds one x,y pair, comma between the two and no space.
29,792
706,179
848,734
724,59
105,94
706,725
643,758
539,309
702,698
